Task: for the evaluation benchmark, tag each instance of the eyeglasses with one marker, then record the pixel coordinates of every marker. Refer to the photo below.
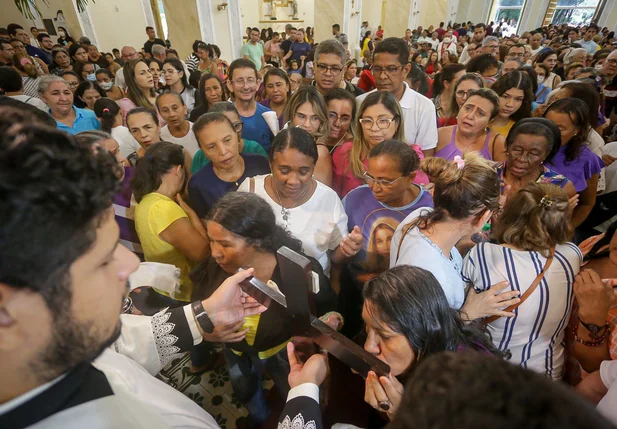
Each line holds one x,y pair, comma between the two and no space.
388,70
302,117
333,117
382,124
325,68
241,82
612,62
370,180
463,94
237,126
493,47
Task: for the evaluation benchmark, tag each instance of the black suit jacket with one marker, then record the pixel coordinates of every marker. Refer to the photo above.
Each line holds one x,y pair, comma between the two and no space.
298,412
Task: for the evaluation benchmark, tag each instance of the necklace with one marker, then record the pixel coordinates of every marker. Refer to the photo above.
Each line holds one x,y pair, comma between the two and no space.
285,212
337,143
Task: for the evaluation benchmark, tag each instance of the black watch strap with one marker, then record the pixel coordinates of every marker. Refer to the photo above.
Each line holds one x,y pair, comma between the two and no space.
202,317
594,330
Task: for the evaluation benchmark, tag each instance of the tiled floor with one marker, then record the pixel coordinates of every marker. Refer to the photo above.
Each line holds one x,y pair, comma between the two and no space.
212,390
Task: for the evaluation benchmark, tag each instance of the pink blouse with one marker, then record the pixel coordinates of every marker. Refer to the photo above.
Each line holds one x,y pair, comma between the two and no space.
126,104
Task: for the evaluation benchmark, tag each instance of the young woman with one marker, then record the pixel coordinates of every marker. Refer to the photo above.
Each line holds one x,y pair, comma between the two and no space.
205,64
221,65
139,88
78,53
311,211
27,70
548,57
61,60
228,168
379,120
244,234
307,109
246,146
443,87
515,97
366,44
468,83
543,91
169,230
173,72
472,132
106,81
432,65
156,70
379,207
85,71
278,91
351,71
211,91
531,250
486,65
110,115
55,92
419,325
465,196
64,38
574,160
87,94
341,114
530,144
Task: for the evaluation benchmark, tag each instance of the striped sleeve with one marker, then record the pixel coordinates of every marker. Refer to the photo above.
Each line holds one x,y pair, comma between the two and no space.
470,266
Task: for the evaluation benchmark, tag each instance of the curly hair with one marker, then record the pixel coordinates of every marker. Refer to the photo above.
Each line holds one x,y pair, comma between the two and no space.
55,193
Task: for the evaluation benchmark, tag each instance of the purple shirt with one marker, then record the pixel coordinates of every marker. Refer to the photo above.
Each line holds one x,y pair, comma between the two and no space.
125,214
578,170
378,222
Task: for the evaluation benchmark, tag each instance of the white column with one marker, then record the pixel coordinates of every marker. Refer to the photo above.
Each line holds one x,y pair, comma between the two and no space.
414,14
452,11
149,16
608,18
353,32
346,16
85,23
533,15
206,21
235,28
486,11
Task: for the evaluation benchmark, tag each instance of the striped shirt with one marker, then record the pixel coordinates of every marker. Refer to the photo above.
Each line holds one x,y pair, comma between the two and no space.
535,335
31,86
124,209
191,62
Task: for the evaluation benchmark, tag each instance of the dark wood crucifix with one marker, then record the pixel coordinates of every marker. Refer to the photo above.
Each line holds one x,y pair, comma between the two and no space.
296,273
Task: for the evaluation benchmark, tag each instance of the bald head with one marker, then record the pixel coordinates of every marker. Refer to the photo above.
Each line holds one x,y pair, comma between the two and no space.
128,53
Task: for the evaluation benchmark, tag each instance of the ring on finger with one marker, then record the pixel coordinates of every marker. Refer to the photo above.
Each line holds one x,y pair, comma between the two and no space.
384,405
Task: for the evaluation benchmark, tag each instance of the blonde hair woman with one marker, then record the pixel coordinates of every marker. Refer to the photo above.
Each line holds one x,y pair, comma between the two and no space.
379,119
531,251
307,109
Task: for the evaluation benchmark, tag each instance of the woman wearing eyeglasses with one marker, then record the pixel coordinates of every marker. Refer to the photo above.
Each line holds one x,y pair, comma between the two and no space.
307,109
246,146
379,120
177,81
471,132
466,84
309,210
341,114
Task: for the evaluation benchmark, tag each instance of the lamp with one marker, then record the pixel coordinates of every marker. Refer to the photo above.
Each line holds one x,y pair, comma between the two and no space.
221,6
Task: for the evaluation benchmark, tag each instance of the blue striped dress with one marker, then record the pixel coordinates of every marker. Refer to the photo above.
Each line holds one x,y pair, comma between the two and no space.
535,335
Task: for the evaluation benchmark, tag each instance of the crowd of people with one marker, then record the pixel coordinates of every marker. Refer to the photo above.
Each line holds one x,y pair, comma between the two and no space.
454,189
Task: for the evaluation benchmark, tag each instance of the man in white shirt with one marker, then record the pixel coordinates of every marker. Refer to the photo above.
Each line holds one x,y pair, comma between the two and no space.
128,53
434,40
479,31
587,41
57,318
447,44
390,68
178,130
536,44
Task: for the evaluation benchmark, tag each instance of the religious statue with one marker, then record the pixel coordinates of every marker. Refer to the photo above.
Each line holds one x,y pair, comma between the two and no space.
294,9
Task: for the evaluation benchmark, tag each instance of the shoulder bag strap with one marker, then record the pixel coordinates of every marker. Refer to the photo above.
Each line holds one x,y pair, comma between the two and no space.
252,185
529,291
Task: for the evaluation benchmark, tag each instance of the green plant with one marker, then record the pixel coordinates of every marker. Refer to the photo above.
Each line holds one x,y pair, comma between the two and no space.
25,7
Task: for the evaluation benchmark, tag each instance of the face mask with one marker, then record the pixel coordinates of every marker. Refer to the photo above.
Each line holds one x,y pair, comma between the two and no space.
540,80
61,33
598,67
447,40
106,85
91,77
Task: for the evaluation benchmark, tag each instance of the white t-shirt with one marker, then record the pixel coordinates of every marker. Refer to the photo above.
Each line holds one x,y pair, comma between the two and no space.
419,251
535,334
611,170
189,141
125,139
419,117
608,405
320,223
35,101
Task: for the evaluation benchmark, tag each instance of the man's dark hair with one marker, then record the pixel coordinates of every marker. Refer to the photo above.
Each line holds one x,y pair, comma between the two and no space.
480,25
241,63
482,63
486,392
4,42
114,50
33,28
255,29
50,210
196,44
149,28
336,27
441,24
10,80
394,46
12,29
41,36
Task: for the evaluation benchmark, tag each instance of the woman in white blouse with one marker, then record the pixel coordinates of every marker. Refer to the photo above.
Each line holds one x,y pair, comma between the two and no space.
533,253
310,210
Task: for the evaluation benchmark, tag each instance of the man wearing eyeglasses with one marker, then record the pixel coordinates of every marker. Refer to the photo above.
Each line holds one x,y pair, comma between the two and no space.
390,68
516,51
609,69
329,63
128,53
490,45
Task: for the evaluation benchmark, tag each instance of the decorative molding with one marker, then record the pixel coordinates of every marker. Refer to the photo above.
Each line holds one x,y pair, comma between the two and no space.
85,23
206,21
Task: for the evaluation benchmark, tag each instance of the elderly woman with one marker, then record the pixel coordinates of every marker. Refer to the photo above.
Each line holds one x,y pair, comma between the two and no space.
472,132
57,94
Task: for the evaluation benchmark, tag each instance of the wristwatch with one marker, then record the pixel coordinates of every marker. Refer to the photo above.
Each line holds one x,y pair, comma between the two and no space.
202,317
594,330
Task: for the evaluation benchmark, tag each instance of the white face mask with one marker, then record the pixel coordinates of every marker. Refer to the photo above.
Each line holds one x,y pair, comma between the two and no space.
540,79
598,67
61,33
106,85
447,40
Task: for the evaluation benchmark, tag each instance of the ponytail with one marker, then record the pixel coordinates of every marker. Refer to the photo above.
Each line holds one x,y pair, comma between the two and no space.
106,110
157,161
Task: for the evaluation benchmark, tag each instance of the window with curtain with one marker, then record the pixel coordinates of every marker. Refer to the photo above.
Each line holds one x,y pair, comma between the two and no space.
508,14
575,12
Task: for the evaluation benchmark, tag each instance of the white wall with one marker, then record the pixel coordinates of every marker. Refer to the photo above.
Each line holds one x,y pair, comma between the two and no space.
371,12
609,16
222,37
118,23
